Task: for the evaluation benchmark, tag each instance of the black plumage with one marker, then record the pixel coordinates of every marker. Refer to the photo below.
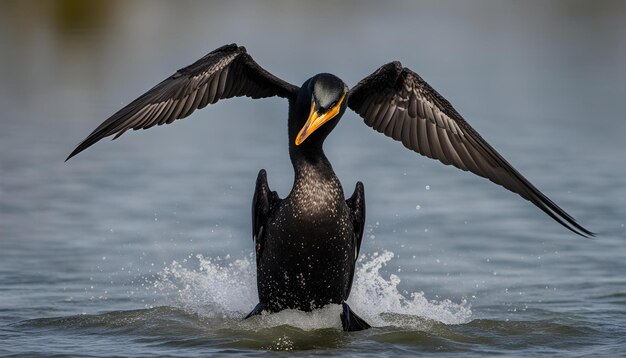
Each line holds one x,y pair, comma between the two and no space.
307,244
397,102
223,73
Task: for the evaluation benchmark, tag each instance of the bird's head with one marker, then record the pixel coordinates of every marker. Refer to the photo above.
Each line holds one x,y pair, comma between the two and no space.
327,95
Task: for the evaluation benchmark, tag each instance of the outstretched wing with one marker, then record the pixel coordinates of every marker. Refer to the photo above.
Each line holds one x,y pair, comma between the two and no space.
399,103
224,73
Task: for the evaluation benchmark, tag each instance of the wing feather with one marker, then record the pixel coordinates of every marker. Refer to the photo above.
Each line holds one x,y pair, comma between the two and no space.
223,73
422,135
398,103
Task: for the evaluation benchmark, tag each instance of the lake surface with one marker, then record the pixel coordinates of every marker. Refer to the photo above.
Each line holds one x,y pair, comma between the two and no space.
142,246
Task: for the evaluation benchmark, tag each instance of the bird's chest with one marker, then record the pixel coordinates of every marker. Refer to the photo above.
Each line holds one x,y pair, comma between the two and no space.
314,210
317,201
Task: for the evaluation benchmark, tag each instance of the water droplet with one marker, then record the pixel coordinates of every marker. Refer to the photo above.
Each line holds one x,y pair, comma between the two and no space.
427,187
417,207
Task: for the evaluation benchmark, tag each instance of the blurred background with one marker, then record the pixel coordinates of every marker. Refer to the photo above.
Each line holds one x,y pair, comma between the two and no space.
544,83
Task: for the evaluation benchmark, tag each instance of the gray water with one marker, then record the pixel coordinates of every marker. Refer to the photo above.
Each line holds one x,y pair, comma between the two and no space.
142,246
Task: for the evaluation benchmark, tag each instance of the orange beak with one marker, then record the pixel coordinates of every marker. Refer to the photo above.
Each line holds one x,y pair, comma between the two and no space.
315,120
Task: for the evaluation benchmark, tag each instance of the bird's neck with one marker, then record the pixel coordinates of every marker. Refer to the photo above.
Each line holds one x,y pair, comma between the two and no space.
310,163
315,187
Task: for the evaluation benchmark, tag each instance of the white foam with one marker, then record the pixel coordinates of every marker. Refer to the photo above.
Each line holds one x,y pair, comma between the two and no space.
217,288
226,289
379,301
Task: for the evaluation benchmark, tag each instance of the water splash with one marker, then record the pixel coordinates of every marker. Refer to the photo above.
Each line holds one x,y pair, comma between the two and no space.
380,302
217,288
226,289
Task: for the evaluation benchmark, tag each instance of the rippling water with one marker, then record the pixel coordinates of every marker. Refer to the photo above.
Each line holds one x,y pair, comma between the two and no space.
142,246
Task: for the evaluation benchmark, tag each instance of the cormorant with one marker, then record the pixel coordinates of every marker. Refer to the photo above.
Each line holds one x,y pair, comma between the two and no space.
307,244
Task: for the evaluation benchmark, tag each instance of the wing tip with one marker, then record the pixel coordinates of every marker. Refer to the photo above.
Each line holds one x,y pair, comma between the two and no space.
88,142
569,223
74,153
586,233
77,150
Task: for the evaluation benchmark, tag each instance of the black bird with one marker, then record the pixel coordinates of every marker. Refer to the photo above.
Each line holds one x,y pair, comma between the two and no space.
307,244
